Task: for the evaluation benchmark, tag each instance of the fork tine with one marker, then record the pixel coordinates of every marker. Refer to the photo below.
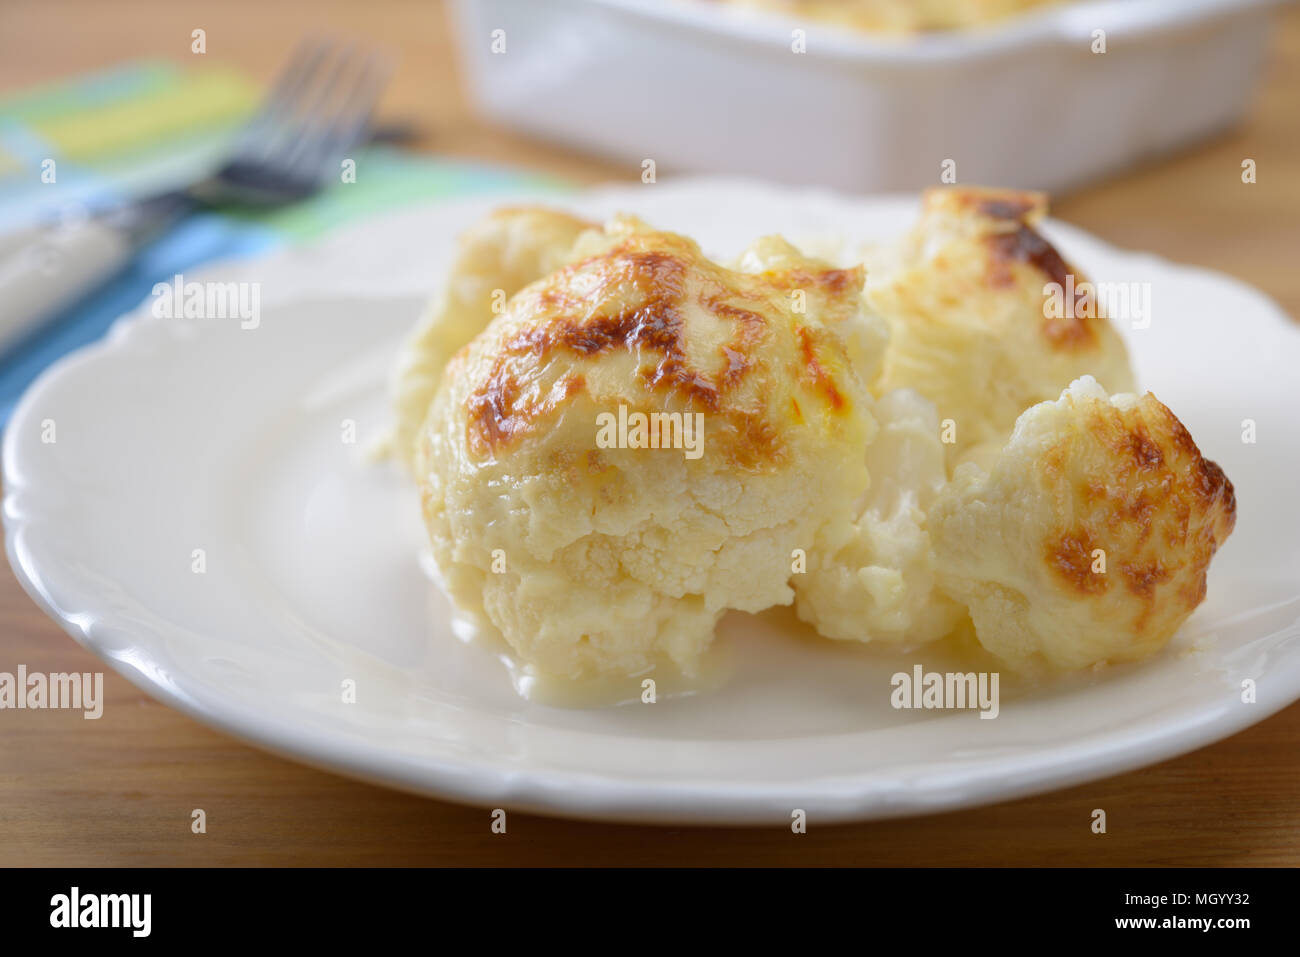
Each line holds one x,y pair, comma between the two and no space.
356,116
315,101
338,117
312,104
346,127
318,109
298,73
278,105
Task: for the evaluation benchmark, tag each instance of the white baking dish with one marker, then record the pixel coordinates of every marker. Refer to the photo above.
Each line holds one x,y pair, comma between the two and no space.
700,86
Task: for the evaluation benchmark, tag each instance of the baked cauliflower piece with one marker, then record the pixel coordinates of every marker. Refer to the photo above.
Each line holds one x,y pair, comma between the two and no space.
874,578
1089,539
497,257
592,553
963,294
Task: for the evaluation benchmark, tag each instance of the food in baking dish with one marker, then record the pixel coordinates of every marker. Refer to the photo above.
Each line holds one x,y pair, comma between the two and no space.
643,438
899,16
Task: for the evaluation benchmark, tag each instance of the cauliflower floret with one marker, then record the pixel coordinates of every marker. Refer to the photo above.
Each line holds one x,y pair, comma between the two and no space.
594,556
498,256
1089,539
874,579
970,329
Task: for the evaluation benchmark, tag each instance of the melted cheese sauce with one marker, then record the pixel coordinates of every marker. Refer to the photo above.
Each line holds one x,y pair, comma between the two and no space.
664,680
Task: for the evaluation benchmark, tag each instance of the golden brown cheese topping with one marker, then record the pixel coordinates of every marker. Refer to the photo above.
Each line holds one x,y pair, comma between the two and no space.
977,300
1088,538
1017,255
1145,495
683,332
497,256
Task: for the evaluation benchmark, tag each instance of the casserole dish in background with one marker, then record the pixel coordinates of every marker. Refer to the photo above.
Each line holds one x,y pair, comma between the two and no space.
701,86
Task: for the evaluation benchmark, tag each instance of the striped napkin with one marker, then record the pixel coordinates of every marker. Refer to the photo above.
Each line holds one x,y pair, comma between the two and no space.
146,127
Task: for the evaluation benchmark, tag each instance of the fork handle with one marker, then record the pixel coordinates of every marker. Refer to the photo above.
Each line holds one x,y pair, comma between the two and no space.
44,269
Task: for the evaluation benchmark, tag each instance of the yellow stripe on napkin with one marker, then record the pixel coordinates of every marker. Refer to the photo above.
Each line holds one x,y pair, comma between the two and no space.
197,102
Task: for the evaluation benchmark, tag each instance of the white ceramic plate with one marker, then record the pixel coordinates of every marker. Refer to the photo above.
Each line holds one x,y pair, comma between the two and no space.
176,435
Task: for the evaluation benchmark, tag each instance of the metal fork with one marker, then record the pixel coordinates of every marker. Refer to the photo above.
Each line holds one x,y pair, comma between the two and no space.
317,110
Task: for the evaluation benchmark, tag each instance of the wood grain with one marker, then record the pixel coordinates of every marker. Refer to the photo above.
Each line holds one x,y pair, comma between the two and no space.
120,790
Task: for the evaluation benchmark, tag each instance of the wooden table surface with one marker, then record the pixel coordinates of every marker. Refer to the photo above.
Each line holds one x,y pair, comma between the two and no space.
119,791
